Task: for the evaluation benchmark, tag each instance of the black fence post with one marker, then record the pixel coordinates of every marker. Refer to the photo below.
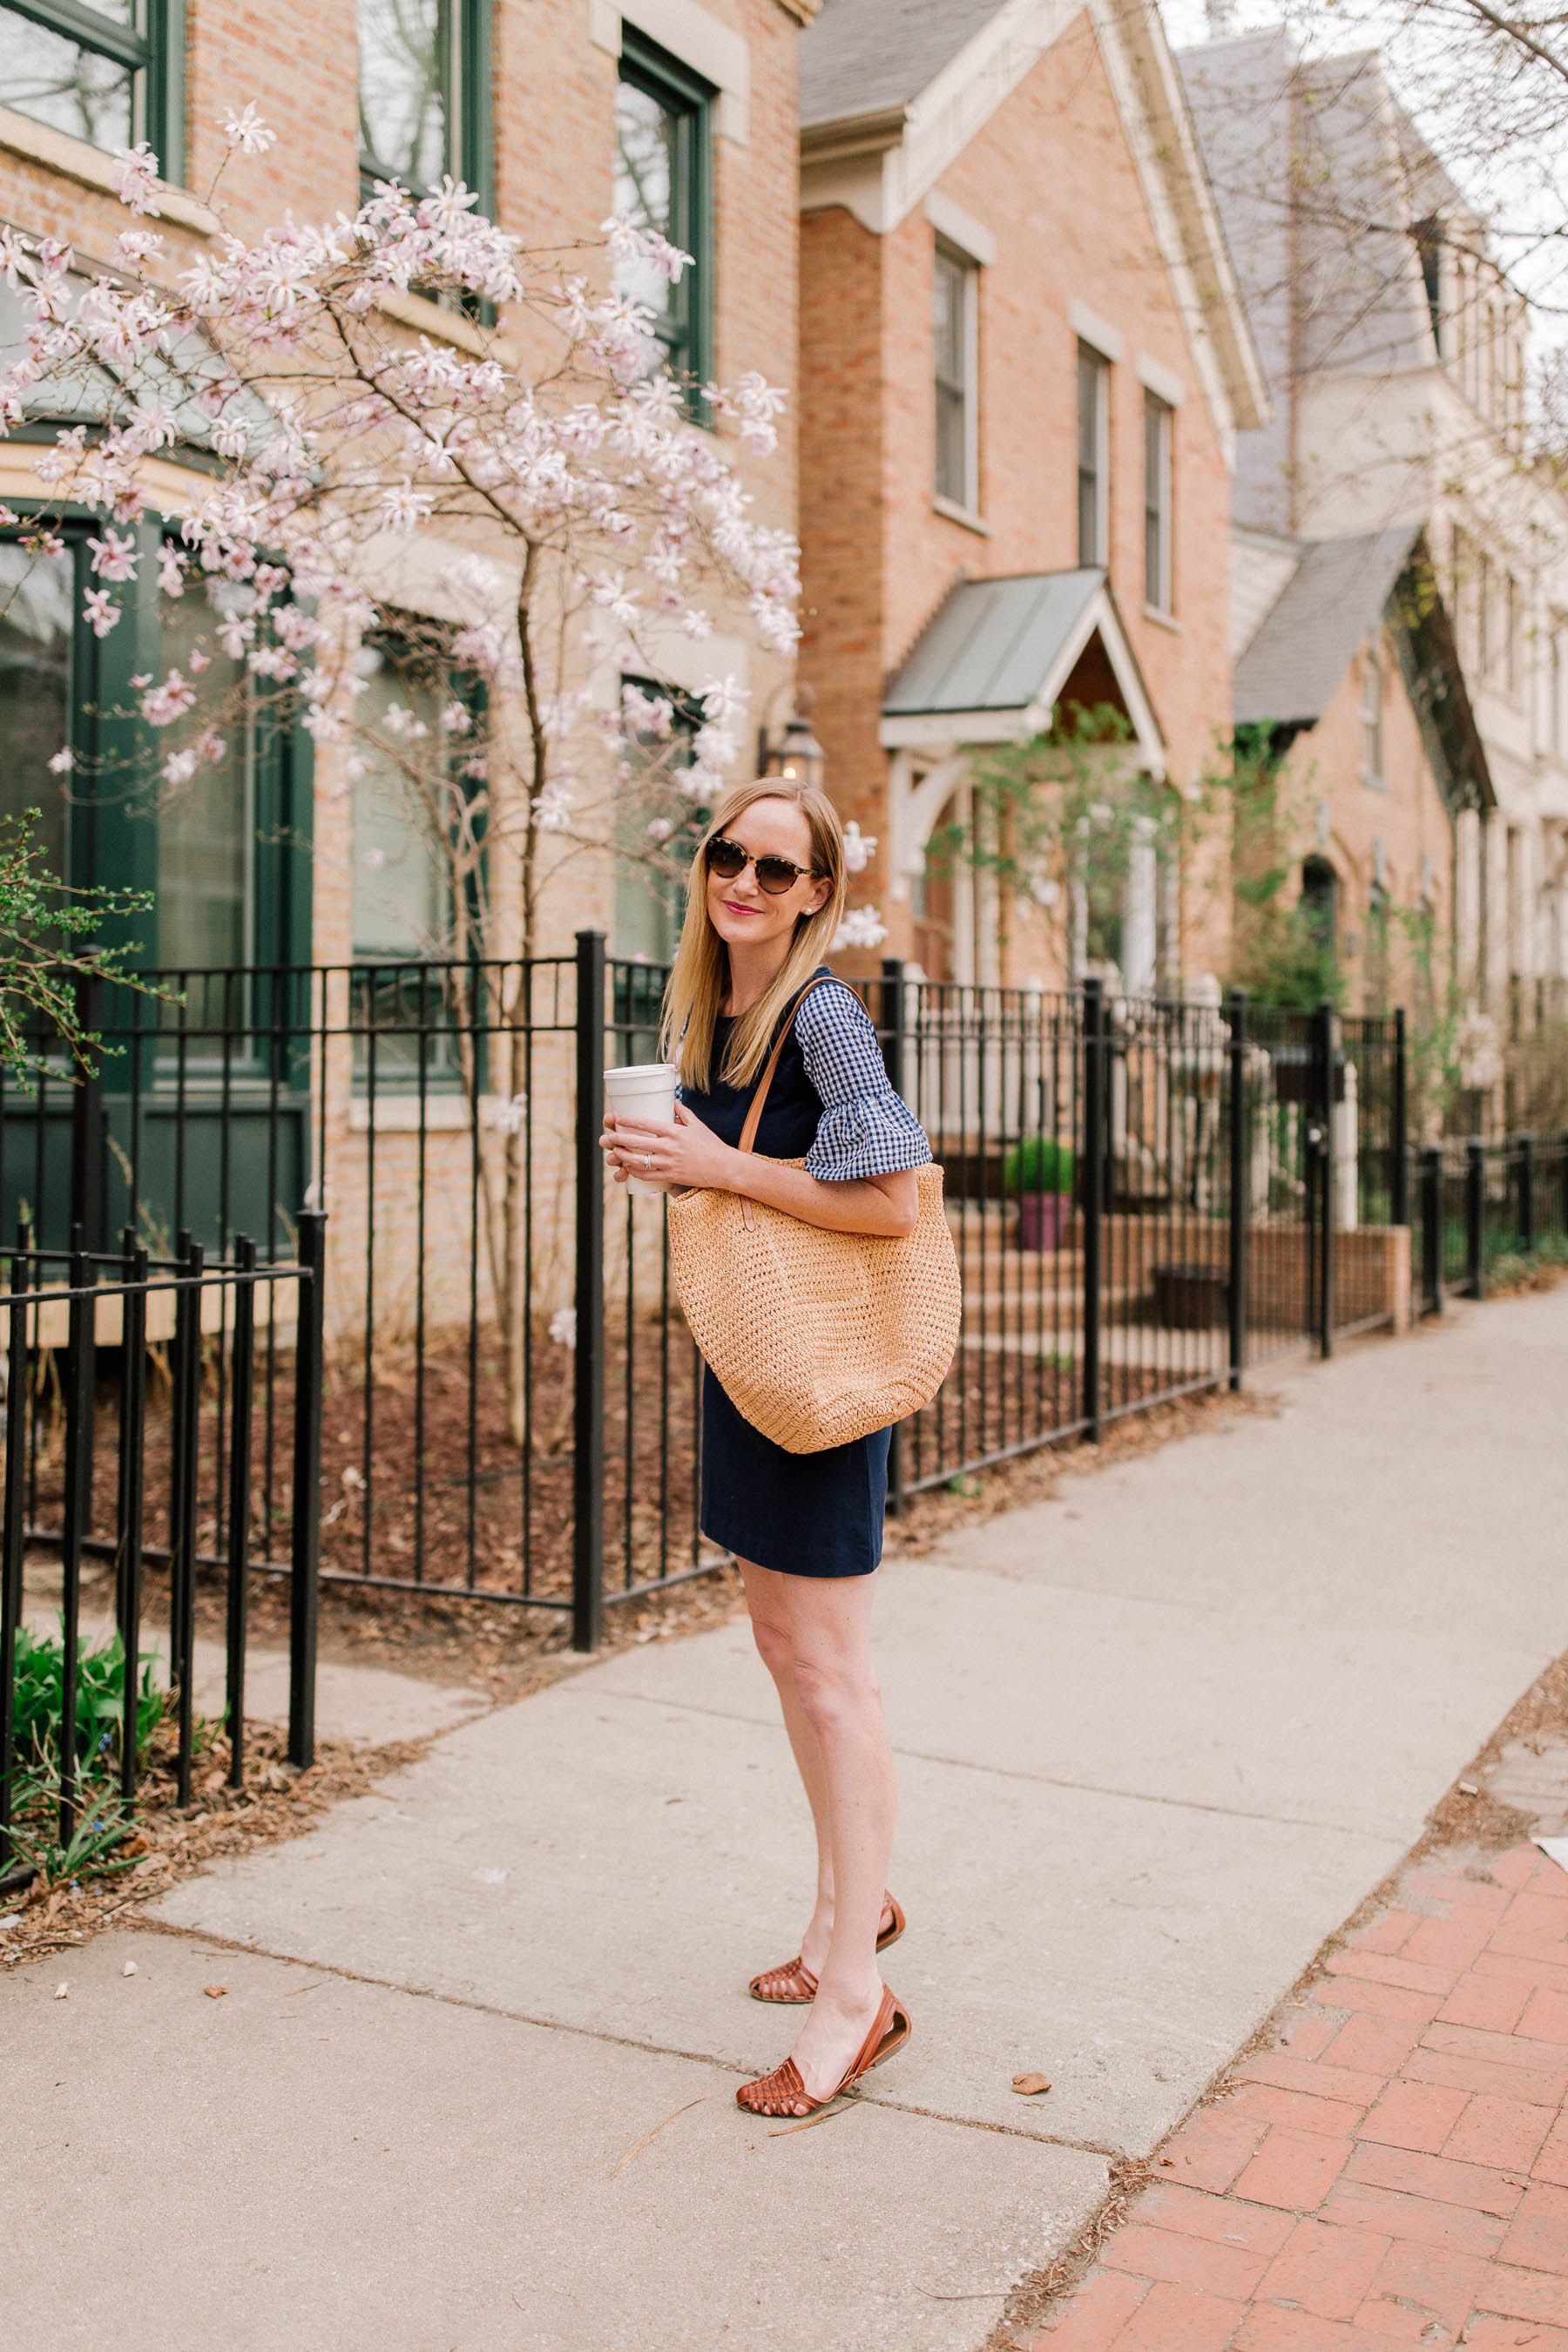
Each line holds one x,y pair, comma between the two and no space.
241,1383
305,1549
1240,1182
1475,1218
1525,1180
1325,1057
1432,1228
1399,1140
1093,1195
12,1529
891,1009
87,1122
184,1464
588,1370
76,1512
131,1497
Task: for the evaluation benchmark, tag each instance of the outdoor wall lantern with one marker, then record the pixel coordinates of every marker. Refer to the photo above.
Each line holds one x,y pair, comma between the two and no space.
798,753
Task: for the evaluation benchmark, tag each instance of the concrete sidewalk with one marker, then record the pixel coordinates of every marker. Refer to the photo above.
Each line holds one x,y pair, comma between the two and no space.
1157,1740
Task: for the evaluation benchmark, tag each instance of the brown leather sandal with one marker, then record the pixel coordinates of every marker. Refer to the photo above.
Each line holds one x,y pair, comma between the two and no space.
783,2093
796,1984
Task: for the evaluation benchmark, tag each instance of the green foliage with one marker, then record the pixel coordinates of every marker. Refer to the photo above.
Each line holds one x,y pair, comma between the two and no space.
36,1842
1059,813
1280,952
39,1686
46,944
1038,1163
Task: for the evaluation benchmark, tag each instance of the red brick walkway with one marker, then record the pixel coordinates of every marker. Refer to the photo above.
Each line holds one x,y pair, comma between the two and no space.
1393,2171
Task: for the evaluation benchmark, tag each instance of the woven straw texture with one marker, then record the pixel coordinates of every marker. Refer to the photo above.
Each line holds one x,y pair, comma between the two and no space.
817,1338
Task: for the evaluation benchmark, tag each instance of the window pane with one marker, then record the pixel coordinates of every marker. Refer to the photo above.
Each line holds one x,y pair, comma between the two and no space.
1090,402
35,690
56,82
648,161
399,899
404,51
206,828
950,289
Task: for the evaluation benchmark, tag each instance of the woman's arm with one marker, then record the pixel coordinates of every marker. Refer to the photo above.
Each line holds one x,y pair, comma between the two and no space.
689,1153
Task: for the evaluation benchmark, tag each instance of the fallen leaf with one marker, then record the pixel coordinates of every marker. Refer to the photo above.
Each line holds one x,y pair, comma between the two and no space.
61,1990
215,1992
1028,2087
137,1845
128,1969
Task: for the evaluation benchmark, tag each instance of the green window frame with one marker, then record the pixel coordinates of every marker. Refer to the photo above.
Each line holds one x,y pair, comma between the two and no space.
111,827
460,32
664,130
146,51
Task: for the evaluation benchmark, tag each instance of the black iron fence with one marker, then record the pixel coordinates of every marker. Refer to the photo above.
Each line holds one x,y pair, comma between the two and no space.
1485,1211
166,1483
1145,1196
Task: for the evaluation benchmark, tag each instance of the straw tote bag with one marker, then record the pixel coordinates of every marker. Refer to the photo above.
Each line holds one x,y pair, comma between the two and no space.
816,1337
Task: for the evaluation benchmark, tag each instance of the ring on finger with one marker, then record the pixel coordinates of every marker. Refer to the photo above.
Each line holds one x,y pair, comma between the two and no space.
648,1160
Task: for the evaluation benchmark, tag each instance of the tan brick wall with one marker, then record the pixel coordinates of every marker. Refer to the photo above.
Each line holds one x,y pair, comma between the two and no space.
1408,817
1051,177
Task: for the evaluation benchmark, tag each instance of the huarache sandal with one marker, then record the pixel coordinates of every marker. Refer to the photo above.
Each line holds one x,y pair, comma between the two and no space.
783,2093
794,1985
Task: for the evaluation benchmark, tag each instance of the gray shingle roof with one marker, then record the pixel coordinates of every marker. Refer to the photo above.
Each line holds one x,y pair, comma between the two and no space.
992,645
1290,671
861,54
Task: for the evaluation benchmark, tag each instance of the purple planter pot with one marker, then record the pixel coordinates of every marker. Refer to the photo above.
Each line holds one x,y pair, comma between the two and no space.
1043,1219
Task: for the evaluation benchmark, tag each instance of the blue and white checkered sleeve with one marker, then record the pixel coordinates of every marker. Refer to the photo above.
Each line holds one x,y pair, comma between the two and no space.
866,1130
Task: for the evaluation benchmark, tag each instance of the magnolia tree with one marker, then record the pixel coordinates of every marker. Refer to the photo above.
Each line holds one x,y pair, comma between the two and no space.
547,501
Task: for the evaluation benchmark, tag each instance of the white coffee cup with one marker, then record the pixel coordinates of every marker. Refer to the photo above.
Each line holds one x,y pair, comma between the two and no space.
643,1092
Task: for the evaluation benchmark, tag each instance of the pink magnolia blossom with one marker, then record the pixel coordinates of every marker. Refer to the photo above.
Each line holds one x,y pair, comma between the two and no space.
136,178
99,613
247,131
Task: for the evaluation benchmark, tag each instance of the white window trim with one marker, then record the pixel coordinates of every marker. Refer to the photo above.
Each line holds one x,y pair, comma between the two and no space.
967,508
1160,381
698,39
1091,329
970,240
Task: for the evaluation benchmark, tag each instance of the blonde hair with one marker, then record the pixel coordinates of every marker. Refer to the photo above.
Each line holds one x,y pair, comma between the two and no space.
701,974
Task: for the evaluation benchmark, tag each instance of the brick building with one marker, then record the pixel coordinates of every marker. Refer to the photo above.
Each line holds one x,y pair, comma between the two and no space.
556,111
1352,690
1024,364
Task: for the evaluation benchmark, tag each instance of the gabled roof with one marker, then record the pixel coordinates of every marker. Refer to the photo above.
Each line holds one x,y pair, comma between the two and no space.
893,92
1339,592
992,663
864,55
1291,671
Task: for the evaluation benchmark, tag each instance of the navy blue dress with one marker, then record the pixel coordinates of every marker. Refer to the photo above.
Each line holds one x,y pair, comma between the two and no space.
831,1105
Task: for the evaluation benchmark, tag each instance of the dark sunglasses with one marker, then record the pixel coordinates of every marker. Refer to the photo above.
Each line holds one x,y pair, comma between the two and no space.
729,861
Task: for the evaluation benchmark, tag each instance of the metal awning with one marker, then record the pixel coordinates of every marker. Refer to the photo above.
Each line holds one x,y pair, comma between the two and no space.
992,661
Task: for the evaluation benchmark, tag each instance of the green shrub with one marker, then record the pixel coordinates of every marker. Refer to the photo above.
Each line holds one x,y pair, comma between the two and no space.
1038,1164
40,1681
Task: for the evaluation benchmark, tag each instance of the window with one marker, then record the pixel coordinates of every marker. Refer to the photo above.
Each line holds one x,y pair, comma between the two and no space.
955,282
1512,650
1158,421
1430,250
1319,903
225,855
1093,458
1371,712
107,71
414,841
663,181
1484,647
424,94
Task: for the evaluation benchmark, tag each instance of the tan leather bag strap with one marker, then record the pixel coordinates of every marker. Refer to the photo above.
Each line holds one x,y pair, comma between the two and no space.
754,1116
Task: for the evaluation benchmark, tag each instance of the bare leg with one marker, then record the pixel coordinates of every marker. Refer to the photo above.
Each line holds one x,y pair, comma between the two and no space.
767,1598
837,1690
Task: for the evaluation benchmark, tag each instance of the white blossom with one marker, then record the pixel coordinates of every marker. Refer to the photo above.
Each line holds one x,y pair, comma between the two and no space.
247,131
564,1327
860,848
862,928
136,178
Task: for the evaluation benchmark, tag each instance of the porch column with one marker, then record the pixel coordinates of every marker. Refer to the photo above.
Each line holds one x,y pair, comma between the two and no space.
1139,919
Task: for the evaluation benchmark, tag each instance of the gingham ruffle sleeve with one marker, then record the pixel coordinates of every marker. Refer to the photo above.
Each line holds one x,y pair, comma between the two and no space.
866,1130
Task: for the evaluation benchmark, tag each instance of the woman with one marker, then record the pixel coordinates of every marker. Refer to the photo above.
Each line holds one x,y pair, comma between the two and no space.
766,898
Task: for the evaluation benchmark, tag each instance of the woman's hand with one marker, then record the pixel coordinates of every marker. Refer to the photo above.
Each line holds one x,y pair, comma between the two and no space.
686,1154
